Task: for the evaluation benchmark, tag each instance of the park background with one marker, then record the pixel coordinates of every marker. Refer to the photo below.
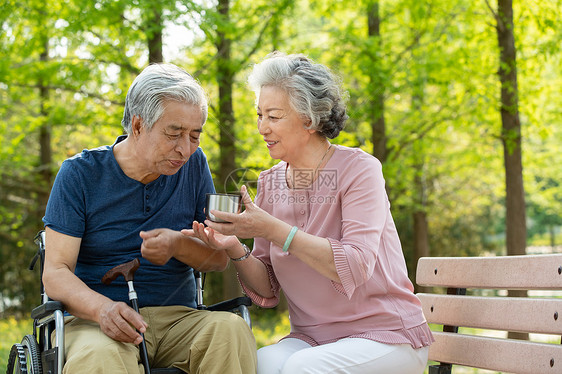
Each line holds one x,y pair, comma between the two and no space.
462,107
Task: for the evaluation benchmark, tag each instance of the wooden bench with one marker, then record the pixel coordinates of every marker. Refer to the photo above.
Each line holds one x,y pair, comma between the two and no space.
484,308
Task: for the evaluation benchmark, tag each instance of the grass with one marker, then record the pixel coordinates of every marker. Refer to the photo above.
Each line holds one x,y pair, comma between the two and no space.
544,239
268,327
11,331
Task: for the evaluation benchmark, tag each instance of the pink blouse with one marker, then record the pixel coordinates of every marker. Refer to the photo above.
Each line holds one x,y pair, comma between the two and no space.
347,204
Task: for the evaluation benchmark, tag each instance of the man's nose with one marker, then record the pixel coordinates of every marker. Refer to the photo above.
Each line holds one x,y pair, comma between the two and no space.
183,146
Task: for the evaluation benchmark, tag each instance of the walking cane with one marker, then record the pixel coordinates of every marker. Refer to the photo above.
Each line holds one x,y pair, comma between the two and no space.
127,270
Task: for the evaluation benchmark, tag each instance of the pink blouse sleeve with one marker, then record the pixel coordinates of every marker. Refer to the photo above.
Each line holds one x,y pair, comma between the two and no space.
260,300
365,210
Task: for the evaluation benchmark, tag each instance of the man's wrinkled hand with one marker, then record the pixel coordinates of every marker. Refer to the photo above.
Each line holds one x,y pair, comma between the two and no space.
158,245
119,321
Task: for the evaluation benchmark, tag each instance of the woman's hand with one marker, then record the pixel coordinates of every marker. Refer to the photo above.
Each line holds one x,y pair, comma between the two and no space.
215,240
253,222
208,236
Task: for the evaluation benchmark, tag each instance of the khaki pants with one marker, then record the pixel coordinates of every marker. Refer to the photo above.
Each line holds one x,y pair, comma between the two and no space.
194,341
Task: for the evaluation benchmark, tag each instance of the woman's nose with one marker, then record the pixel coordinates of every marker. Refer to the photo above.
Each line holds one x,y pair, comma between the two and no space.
263,128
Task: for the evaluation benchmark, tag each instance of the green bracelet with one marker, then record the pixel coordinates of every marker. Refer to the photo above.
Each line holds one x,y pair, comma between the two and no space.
290,238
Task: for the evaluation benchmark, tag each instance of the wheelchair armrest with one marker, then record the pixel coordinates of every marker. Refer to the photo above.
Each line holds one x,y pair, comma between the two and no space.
232,304
46,309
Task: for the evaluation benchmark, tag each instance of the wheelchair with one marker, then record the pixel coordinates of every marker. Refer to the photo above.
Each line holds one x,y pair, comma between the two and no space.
37,354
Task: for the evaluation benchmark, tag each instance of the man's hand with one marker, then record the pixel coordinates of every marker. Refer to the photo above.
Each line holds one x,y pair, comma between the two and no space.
119,321
158,245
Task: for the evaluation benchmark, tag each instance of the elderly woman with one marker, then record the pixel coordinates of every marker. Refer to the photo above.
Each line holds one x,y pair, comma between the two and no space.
324,234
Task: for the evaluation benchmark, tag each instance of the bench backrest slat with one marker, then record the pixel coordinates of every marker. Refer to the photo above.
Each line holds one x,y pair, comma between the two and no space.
507,356
529,272
532,314
542,316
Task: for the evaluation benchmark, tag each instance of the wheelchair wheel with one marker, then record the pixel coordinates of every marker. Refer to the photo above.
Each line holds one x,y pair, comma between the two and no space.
24,357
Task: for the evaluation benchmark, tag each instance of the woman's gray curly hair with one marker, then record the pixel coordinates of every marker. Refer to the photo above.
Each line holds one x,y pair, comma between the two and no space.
314,92
156,84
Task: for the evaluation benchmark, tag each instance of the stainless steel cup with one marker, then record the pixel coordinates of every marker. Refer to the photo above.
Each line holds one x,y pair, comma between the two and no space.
225,202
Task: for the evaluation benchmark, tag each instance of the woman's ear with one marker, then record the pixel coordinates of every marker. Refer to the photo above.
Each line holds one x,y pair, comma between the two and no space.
307,124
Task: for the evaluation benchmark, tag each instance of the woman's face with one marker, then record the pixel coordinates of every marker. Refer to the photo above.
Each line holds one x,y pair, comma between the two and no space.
280,125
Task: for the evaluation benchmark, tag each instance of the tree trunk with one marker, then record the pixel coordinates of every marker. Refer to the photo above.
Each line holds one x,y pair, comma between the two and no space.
516,229
45,150
421,227
153,30
421,230
225,116
378,135
421,241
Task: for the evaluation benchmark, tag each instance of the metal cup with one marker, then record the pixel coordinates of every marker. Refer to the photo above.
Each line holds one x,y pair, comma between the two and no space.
224,202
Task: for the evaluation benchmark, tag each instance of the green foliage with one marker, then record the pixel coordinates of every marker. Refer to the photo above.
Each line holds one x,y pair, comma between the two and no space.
269,325
66,66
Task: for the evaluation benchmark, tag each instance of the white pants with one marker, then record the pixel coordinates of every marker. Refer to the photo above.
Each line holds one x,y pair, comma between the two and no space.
346,356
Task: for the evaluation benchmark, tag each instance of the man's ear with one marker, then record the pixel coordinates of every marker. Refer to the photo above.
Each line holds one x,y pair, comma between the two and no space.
136,125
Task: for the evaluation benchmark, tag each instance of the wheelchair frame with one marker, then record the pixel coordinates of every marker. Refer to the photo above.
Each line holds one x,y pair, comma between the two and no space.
36,354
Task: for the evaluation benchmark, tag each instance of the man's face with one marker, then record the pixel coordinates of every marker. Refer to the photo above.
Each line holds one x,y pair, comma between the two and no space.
166,147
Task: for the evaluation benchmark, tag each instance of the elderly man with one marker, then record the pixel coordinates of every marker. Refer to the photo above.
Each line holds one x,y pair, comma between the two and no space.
114,203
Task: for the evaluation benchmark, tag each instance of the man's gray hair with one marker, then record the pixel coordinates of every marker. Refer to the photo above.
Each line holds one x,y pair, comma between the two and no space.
156,84
314,92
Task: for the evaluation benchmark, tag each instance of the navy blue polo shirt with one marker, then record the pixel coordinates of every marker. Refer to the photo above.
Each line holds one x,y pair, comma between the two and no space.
94,200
